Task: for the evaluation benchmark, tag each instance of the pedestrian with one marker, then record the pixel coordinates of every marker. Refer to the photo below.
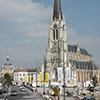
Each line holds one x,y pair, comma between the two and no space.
57,91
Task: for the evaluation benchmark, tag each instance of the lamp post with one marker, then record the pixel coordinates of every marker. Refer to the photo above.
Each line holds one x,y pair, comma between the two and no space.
44,75
63,70
36,76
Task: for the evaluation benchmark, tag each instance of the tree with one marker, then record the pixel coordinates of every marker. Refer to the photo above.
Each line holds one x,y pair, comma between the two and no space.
8,79
95,81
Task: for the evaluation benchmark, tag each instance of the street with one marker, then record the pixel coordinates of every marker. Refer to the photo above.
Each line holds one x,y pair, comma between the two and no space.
27,95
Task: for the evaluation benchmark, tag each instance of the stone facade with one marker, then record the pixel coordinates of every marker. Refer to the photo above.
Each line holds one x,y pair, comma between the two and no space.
7,68
82,61
57,42
78,59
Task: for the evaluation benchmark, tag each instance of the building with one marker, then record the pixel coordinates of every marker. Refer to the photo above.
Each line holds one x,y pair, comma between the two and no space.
82,62
78,59
57,42
31,72
22,75
19,75
7,68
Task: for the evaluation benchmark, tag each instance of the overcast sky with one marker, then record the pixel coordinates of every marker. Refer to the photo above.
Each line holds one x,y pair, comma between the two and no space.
24,27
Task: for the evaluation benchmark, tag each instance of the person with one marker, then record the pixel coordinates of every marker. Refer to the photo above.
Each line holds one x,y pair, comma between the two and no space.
57,90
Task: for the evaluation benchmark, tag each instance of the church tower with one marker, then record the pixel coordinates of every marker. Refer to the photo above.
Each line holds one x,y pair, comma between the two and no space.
57,42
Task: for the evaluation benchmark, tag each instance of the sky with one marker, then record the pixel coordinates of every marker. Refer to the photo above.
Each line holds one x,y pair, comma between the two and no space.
24,27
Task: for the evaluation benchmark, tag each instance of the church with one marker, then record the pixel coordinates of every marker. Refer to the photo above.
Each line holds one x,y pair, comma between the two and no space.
78,59
7,68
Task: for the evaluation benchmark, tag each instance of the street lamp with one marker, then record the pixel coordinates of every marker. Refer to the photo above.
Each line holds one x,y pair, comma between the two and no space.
64,70
44,75
36,76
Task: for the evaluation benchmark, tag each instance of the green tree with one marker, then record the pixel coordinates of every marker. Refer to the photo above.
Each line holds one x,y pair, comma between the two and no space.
8,79
95,81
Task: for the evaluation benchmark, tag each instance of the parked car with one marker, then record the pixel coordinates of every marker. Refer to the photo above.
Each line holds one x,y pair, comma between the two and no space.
20,87
96,91
13,93
23,89
81,97
89,98
1,91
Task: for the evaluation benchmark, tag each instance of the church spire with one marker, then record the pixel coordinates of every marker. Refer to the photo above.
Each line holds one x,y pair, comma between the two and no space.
57,12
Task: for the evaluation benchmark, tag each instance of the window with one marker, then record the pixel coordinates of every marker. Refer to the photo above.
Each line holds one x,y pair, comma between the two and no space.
63,27
23,74
57,34
54,34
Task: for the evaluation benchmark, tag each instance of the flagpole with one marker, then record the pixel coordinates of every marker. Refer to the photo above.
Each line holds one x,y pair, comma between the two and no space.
36,76
63,70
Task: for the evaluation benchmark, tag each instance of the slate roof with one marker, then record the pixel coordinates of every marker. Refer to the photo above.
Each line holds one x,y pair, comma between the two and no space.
57,9
7,62
73,48
85,65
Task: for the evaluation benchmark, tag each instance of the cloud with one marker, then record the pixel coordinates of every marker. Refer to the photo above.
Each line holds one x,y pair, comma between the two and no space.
71,32
30,21
38,29
28,17
85,40
90,43
3,35
88,27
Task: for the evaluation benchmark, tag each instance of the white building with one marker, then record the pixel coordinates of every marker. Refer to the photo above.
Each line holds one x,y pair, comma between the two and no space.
19,75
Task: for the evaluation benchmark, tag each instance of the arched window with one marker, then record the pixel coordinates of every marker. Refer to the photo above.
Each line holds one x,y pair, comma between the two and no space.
57,34
53,34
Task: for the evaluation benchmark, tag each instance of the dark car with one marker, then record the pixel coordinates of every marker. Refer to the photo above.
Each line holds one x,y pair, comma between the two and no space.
89,98
13,93
1,91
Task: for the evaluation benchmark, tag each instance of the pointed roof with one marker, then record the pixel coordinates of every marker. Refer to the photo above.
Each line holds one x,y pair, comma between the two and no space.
57,12
7,62
73,48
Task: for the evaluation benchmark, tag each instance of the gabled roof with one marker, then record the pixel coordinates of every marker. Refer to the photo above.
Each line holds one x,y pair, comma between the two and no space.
73,48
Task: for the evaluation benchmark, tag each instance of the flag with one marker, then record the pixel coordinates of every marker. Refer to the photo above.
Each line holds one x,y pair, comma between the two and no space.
41,78
68,75
34,78
59,70
47,78
30,78
38,78
24,79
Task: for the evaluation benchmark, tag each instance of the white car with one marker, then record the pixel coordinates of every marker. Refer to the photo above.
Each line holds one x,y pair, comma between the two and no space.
23,89
13,92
